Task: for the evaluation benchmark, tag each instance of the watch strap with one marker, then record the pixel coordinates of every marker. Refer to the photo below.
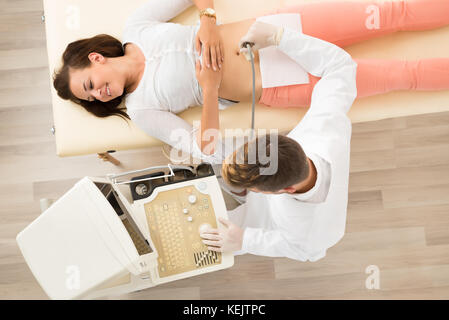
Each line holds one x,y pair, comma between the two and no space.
206,12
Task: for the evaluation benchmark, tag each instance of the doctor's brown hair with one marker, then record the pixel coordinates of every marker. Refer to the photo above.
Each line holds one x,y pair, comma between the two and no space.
75,56
239,169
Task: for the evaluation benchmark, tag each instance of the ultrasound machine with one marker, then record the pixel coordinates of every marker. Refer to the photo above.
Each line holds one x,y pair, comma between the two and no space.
126,232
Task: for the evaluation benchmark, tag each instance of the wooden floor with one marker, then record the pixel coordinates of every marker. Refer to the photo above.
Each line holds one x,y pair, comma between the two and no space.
398,214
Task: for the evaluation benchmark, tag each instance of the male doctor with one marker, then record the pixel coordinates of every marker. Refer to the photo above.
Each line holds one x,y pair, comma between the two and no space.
299,211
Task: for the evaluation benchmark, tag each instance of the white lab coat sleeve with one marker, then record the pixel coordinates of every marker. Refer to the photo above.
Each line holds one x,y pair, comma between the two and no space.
271,243
157,11
336,90
175,131
326,127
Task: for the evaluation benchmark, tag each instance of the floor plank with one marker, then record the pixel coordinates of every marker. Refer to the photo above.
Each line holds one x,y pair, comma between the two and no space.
398,202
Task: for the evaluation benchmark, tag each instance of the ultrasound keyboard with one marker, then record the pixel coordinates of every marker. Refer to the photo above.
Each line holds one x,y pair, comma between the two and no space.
170,208
174,218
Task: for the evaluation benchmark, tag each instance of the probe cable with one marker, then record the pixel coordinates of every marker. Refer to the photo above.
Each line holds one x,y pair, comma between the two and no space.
248,46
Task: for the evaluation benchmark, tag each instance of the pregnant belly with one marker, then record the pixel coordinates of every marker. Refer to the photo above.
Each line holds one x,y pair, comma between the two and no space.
237,75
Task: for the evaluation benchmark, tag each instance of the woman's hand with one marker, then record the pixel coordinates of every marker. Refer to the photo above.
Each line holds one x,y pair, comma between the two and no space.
209,39
207,78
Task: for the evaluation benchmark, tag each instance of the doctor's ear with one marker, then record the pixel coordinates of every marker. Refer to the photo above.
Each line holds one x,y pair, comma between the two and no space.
290,189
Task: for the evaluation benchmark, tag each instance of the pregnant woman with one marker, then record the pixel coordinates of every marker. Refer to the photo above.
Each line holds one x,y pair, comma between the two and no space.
156,69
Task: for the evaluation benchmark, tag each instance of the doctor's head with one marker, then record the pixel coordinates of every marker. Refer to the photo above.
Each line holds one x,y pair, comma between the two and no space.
270,164
88,76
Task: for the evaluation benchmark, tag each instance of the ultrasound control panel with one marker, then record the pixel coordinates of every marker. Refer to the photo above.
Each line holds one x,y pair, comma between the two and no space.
170,209
175,218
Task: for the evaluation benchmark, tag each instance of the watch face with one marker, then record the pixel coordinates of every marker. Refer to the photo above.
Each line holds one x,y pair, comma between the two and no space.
210,11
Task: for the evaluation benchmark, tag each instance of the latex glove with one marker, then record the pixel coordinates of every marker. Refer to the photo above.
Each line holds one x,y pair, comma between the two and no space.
227,239
262,35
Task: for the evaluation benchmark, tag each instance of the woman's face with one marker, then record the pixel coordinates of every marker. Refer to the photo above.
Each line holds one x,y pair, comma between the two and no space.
98,81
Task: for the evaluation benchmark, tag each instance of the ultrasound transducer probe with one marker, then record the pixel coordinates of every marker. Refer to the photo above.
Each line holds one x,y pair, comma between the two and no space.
249,52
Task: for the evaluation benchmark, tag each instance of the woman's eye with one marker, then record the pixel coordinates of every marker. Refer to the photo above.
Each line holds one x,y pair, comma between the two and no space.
91,85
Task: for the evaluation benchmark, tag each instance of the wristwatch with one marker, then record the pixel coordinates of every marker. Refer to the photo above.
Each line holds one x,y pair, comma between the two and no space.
209,12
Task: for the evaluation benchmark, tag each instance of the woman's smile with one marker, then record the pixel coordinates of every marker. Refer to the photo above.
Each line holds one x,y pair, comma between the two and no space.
105,93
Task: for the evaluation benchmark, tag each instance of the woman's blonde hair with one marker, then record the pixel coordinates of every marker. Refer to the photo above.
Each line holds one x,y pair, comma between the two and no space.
251,167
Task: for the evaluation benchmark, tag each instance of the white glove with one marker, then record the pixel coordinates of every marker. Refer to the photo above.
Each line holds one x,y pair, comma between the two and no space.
262,35
227,239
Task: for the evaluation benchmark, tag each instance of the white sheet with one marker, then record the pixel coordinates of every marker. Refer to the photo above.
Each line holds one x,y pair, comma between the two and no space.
276,68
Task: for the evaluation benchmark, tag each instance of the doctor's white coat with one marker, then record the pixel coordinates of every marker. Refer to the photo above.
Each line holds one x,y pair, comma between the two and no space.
280,225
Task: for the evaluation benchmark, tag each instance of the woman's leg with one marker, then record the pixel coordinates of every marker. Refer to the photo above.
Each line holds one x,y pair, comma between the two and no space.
373,77
345,23
380,76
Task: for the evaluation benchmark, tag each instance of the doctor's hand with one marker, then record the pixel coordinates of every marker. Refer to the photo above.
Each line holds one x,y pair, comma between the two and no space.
262,35
227,239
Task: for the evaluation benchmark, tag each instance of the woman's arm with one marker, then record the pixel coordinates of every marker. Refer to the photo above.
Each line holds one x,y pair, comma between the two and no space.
208,37
209,131
208,135
174,131
203,4
158,11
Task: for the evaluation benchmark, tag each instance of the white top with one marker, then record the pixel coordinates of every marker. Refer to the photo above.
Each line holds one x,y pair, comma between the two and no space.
321,188
280,225
168,85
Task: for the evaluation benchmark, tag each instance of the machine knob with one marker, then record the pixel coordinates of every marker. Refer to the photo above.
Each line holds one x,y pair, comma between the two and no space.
190,219
185,211
204,227
202,186
192,198
141,189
